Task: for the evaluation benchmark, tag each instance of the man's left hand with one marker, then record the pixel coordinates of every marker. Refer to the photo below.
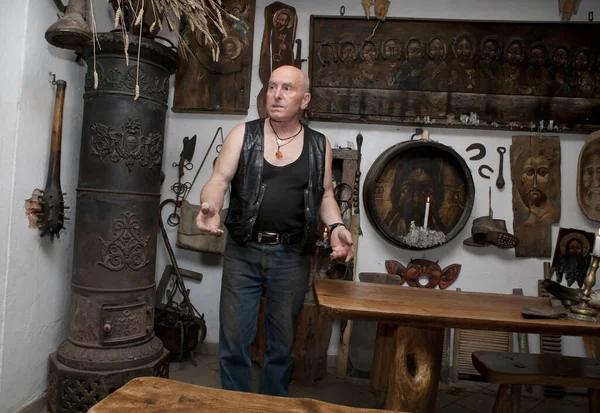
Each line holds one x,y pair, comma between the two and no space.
341,244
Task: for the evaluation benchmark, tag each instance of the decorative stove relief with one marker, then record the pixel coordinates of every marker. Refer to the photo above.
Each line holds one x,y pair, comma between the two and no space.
123,323
127,248
156,87
130,144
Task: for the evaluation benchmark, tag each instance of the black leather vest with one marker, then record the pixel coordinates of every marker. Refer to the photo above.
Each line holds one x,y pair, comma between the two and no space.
248,189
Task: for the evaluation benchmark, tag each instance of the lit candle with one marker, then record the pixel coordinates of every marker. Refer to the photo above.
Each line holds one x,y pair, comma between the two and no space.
426,214
325,236
596,250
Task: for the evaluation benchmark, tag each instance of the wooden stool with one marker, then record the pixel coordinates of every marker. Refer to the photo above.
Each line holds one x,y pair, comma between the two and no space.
153,395
516,369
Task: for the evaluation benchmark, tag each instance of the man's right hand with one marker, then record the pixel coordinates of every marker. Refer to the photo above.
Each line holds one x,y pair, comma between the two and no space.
209,220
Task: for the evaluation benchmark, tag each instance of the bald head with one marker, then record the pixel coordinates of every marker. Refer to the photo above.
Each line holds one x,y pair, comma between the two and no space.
287,93
296,75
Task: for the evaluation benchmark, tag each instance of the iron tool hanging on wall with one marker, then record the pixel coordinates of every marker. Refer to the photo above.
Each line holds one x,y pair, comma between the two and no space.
181,190
46,209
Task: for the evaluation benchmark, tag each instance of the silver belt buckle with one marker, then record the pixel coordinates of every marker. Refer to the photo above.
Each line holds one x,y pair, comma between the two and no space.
260,234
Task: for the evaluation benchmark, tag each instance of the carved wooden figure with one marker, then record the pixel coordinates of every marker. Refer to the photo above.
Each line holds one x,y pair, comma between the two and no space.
588,177
424,273
205,86
490,75
277,48
535,172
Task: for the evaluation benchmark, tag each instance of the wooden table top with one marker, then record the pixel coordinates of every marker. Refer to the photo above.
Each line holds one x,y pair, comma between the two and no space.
154,395
423,307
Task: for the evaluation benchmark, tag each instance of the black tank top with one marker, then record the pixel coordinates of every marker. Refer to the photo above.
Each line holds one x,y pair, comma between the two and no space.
282,208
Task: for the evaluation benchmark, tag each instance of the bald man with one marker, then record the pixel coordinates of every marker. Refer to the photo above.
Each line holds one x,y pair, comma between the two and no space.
281,184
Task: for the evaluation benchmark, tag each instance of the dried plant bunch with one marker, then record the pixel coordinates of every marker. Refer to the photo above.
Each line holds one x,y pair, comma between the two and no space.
201,17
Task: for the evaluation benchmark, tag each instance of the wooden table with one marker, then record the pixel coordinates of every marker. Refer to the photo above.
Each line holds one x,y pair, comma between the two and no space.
424,313
157,395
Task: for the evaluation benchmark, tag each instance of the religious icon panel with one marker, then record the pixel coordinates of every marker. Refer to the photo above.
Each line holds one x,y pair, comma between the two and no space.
418,194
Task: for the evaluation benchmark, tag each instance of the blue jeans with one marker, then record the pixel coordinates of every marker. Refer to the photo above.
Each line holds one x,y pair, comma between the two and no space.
284,271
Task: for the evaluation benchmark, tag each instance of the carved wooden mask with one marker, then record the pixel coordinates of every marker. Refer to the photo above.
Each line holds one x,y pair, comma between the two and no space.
424,273
588,177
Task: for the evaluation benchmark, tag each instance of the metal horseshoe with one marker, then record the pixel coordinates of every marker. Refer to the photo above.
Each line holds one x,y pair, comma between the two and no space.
479,147
481,168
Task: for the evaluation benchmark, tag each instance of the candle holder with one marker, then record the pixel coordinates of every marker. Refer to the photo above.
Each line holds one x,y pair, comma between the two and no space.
583,311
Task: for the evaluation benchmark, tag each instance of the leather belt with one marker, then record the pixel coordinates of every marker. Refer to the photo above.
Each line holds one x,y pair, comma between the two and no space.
275,238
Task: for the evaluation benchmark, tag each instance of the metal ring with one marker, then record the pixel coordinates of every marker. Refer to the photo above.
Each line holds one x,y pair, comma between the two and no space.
342,10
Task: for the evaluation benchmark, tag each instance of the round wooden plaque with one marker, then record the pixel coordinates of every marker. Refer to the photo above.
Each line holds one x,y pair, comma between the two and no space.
400,181
588,177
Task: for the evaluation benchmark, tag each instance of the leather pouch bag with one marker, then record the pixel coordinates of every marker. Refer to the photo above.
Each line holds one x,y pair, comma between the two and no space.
189,236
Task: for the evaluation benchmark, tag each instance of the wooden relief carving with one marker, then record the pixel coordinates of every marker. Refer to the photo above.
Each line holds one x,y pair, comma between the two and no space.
491,75
423,273
588,177
277,47
535,171
205,86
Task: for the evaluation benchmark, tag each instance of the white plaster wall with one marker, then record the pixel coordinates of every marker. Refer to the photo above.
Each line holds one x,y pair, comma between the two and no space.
34,272
489,270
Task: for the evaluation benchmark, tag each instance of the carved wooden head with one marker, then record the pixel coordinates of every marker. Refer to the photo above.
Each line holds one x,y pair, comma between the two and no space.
588,177
424,273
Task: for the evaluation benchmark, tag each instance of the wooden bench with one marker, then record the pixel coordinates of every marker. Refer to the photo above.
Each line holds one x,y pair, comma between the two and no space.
153,395
512,370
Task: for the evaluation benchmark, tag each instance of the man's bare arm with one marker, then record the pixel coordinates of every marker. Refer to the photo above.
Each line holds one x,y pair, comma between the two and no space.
330,211
341,238
213,192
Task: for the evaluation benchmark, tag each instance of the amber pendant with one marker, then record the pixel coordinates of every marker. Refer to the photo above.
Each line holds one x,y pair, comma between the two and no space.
278,155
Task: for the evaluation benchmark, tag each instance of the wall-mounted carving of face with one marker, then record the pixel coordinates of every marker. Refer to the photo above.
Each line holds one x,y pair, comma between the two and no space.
538,53
464,49
369,52
490,50
436,49
414,49
348,52
390,50
423,273
515,52
536,179
560,57
588,178
582,59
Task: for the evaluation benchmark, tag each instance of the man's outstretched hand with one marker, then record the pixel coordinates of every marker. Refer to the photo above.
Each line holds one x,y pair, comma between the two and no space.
341,244
209,220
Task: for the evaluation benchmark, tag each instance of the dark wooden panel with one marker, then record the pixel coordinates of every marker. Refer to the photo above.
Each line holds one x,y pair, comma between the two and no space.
496,75
203,85
535,171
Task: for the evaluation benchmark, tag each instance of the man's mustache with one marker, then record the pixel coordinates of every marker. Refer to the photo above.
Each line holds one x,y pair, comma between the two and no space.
535,191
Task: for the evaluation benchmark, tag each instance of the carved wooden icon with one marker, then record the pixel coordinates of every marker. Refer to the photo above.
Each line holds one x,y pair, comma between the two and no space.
535,172
424,273
572,255
205,86
488,75
588,177
277,48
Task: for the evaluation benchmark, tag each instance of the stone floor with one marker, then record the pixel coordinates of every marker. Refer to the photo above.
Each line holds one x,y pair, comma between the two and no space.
460,397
